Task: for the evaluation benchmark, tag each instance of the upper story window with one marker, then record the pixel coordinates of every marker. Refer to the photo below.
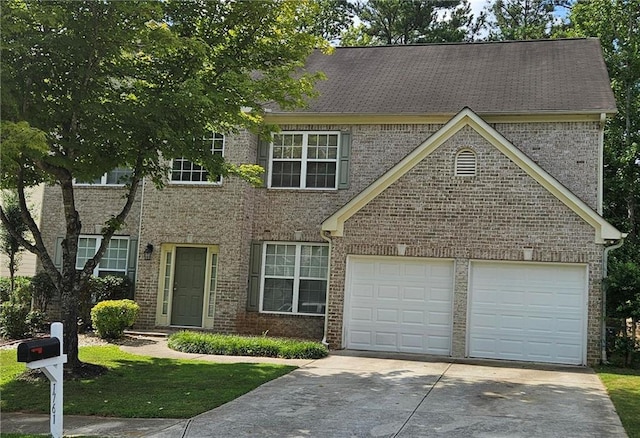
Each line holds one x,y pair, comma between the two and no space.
305,160
294,278
116,177
115,259
466,163
184,171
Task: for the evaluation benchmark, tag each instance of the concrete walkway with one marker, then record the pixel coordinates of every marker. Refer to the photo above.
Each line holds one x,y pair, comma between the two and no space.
350,395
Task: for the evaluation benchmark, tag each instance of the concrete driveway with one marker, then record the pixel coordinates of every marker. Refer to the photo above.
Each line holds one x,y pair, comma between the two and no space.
350,396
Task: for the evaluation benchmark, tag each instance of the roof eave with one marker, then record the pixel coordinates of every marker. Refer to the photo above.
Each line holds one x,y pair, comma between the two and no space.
439,118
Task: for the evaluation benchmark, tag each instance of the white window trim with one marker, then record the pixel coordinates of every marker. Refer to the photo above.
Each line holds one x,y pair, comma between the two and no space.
103,182
304,160
207,182
99,238
296,277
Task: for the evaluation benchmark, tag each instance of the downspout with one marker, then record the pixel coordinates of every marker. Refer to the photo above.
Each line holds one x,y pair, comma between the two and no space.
139,234
605,259
600,200
326,304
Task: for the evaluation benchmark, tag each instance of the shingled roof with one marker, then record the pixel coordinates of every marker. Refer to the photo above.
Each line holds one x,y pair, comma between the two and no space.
518,77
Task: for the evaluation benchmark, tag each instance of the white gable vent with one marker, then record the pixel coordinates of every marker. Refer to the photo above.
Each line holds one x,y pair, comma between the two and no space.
466,163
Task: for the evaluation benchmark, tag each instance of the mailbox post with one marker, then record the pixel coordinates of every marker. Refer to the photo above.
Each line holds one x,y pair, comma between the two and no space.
47,354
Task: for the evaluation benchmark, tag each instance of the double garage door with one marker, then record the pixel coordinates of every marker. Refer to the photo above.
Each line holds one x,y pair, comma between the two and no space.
517,311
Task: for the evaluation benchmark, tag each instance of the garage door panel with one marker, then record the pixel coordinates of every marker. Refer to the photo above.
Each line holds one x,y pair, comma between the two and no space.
386,339
414,293
387,315
362,314
411,307
538,314
413,317
365,290
388,292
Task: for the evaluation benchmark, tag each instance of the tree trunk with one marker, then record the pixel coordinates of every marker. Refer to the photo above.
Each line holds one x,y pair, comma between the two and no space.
70,318
12,273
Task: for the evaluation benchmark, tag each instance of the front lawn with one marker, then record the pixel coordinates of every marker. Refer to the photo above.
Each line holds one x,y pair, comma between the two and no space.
623,386
136,386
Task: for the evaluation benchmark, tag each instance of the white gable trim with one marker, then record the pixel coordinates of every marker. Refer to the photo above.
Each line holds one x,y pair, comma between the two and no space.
603,230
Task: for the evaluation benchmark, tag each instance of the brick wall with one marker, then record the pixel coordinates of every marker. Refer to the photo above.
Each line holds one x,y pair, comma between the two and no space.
489,217
492,216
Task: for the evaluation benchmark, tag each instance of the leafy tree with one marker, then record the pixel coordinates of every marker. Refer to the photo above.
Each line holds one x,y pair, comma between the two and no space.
615,23
331,19
9,245
414,21
90,86
524,19
356,35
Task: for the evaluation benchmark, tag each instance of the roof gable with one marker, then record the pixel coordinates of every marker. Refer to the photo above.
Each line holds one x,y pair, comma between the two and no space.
603,230
566,76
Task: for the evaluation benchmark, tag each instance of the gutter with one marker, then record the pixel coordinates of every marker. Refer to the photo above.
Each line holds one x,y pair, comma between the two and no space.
326,304
605,259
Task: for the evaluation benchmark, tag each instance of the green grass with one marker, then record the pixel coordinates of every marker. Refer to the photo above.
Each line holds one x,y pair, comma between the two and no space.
137,386
623,386
20,435
231,345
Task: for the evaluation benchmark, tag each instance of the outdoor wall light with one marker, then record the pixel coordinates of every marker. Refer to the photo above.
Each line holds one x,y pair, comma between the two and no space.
148,250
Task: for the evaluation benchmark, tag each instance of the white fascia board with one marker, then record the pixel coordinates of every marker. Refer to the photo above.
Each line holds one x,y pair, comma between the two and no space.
603,230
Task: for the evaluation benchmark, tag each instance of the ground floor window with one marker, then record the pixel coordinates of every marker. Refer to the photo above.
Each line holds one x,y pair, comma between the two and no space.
295,278
115,259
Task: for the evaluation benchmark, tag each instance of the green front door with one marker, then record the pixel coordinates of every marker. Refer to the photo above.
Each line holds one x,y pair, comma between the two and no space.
188,287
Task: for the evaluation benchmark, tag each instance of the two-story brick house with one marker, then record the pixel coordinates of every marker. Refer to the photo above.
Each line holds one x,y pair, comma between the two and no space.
435,199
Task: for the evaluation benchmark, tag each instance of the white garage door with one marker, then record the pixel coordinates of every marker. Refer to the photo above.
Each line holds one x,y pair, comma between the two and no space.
399,304
528,311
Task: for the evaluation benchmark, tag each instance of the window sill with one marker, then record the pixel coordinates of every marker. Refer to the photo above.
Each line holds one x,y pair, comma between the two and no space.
297,189
290,313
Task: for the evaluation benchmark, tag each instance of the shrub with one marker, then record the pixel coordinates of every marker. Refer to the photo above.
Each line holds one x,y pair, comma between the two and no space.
36,321
42,290
21,293
13,320
230,345
110,318
101,289
110,287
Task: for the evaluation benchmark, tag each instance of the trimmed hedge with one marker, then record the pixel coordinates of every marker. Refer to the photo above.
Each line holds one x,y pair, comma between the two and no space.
231,345
110,318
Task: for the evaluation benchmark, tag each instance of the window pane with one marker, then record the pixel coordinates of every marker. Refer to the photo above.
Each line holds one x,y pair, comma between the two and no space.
185,171
167,284
86,250
280,260
321,174
115,257
314,261
286,174
312,296
287,146
212,285
119,175
278,295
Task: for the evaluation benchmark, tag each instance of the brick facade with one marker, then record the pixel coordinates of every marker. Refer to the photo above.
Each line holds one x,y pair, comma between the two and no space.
488,217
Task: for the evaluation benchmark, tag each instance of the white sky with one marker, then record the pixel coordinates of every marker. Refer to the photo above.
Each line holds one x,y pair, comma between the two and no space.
477,6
